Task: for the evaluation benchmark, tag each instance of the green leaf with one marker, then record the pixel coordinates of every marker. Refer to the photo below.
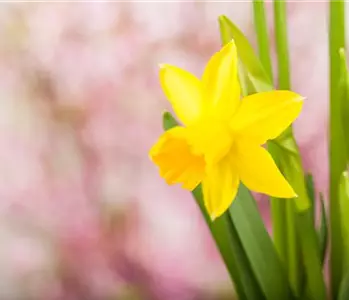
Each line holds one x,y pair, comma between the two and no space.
228,242
291,166
344,288
309,243
323,232
280,19
283,211
337,144
312,245
344,218
344,96
261,28
257,77
168,121
293,249
311,194
259,247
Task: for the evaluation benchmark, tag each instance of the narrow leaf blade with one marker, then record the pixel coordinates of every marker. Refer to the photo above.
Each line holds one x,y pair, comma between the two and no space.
323,232
315,285
259,247
255,72
337,144
344,217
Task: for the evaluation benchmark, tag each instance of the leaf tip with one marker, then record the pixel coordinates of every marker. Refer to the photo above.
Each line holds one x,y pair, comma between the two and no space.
222,18
166,115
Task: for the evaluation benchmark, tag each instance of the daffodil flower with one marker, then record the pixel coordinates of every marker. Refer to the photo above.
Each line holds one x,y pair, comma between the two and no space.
220,142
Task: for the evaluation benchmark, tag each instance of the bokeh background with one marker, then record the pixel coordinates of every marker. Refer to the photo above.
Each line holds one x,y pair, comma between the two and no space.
83,212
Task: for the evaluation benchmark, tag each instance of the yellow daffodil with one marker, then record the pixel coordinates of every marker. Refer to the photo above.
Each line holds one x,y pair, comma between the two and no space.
220,142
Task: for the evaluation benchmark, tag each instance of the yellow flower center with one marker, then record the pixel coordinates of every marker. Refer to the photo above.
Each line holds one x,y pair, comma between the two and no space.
211,138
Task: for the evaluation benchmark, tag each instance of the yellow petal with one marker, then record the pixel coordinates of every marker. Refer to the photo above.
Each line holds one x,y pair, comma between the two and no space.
220,187
264,116
221,82
175,159
184,91
258,171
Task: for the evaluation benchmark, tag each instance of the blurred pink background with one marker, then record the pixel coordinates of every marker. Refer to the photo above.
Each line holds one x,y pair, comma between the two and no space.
83,213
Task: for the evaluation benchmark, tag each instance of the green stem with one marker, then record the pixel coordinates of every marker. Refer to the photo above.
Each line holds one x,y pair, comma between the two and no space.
293,250
282,44
278,211
261,28
278,207
337,155
286,208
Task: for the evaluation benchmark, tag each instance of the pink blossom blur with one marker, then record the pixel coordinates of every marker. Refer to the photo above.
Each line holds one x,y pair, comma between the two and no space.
83,213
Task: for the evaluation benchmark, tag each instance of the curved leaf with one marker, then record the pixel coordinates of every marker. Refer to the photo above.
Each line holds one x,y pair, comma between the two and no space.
256,75
259,248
